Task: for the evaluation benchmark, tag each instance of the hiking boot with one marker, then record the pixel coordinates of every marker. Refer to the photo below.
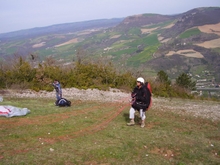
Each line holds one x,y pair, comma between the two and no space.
142,125
131,123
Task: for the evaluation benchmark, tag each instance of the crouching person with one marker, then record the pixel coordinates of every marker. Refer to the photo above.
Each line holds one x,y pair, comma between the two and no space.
140,102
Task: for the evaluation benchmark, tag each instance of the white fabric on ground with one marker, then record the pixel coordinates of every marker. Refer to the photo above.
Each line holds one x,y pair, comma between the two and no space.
10,111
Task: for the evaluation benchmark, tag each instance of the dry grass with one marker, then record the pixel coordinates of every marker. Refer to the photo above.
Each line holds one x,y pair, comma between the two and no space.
75,40
115,36
39,45
187,53
210,44
144,31
169,26
212,28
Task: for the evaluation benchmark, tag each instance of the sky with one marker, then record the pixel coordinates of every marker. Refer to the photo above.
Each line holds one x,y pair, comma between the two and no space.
25,14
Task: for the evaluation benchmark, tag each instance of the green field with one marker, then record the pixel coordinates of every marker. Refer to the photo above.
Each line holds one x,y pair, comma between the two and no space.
190,33
96,133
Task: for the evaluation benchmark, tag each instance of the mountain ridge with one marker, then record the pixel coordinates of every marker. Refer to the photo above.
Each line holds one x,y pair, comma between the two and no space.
61,28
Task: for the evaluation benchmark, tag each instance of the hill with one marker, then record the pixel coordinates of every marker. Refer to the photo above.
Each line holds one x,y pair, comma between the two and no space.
60,29
186,42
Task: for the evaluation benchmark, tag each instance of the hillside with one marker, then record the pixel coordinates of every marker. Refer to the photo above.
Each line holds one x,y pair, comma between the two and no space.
60,29
187,42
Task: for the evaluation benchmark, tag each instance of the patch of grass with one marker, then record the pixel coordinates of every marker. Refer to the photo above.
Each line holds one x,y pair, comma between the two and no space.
96,133
190,33
163,24
134,31
125,51
148,40
142,57
216,50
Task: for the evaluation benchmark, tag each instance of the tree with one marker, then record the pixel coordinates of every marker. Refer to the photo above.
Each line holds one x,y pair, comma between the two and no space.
185,81
22,71
162,77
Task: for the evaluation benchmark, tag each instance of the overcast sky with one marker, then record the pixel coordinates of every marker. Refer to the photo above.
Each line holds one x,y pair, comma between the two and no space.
24,14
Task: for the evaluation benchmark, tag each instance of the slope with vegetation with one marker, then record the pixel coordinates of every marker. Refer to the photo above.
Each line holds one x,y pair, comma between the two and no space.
145,44
24,75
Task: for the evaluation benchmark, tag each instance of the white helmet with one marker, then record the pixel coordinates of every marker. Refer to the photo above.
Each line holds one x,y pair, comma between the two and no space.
140,79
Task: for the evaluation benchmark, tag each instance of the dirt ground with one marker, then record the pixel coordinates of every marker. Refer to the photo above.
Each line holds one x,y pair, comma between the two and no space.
196,108
210,44
75,40
187,53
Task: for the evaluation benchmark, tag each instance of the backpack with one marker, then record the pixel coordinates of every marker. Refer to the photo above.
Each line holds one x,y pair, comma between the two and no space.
63,102
148,86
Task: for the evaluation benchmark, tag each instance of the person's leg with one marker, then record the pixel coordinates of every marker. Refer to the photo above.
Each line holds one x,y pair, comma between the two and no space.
140,115
131,117
57,96
143,117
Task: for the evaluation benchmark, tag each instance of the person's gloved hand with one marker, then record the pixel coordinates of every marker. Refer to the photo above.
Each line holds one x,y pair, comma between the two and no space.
133,95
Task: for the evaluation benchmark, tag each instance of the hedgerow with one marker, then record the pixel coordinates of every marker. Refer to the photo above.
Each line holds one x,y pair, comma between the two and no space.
79,75
24,75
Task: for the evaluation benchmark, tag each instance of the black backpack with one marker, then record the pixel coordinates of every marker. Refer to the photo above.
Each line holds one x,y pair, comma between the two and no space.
63,102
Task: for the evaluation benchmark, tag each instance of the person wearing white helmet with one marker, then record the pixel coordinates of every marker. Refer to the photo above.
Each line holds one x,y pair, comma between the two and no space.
140,102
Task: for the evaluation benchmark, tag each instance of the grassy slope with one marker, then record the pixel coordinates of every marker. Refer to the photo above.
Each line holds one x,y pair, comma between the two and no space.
96,133
189,33
124,50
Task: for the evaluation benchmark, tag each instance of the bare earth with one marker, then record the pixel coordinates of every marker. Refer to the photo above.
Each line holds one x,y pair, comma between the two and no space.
187,53
196,108
210,44
212,28
75,40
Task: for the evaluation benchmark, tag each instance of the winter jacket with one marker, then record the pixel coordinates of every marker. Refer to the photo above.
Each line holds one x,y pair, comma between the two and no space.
142,98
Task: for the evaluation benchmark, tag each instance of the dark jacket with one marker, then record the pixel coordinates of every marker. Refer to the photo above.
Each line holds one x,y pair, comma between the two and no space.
57,87
142,98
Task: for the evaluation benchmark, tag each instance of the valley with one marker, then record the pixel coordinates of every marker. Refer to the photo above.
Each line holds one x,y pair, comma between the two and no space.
146,43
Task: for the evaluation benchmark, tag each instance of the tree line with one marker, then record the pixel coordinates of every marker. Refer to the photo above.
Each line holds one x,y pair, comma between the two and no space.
24,74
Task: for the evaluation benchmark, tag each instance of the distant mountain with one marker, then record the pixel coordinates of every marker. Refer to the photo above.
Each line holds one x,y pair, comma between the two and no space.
192,18
147,43
60,28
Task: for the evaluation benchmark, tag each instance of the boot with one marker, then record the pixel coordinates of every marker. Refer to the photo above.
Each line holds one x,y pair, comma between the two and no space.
131,123
142,124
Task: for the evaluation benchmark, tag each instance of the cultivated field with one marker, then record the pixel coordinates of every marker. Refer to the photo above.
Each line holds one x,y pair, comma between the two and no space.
213,28
75,40
187,53
210,44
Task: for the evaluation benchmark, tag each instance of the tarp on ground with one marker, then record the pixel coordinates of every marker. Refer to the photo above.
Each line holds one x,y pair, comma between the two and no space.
10,111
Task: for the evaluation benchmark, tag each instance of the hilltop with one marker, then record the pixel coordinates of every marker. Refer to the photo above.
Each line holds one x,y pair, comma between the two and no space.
186,42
